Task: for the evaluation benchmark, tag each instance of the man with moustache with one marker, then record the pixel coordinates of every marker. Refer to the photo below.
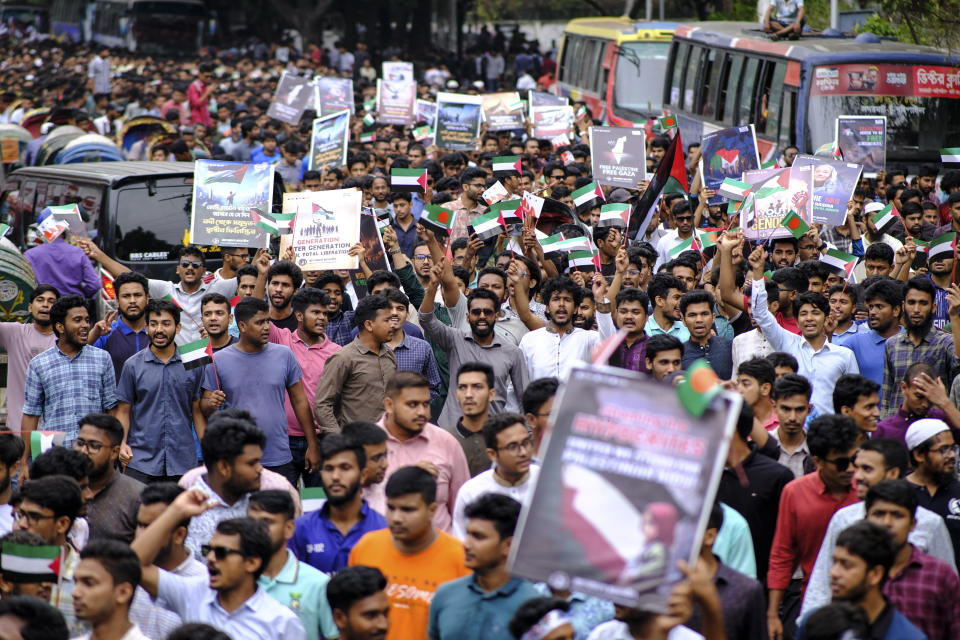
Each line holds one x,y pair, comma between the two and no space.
555,348
106,581
159,404
475,391
933,452
22,341
323,538
358,598
124,336
216,316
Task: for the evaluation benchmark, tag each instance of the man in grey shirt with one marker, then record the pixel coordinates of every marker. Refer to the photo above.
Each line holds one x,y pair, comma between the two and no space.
98,73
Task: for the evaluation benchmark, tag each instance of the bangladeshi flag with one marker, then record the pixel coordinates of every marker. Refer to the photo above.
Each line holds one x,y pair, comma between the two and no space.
670,177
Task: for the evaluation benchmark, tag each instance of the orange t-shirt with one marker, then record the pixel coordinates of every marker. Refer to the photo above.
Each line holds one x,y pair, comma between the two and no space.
411,579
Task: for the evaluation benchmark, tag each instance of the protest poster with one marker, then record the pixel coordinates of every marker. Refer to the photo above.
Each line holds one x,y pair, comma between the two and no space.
226,199
550,122
627,483
396,102
503,111
328,142
775,193
374,253
727,153
618,156
863,140
426,111
542,99
333,94
292,97
397,71
457,125
833,183
326,226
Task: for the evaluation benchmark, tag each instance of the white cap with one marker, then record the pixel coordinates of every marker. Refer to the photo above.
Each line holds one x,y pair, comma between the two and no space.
922,430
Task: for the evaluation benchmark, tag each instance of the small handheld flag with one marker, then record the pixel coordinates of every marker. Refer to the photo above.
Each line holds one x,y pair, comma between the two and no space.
367,137
795,225
487,226
615,214
506,166
312,498
699,387
583,259
733,189
40,441
438,219
588,196
22,563
667,122
408,180
947,243
278,224
196,354
950,157
509,212
885,216
839,260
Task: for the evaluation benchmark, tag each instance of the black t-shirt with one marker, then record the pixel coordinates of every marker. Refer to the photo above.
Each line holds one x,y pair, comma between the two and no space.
290,322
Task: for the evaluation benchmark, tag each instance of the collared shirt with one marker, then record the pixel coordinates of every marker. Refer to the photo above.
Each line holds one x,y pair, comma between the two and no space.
821,367
733,545
133,633
936,349
633,357
304,590
586,612
802,519
435,445
488,482
896,426
99,71
551,354
474,447
112,513
506,359
717,352
799,462
268,480
678,330
311,358
190,302
319,542
743,603
462,610
340,327
64,266
406,238
927,593
930,535
944,503
889,625
749,345
155,620
415,354
22,342
61,593
121,343
464,217
259,617
203,526
353,385
61,390
869,348
161,396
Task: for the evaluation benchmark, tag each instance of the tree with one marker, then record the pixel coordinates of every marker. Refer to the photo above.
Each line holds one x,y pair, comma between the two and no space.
935,23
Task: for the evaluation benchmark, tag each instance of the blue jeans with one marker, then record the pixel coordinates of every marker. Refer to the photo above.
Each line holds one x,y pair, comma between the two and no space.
298,449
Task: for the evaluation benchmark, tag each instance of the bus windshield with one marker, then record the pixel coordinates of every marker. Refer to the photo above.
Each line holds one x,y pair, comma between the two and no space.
921,104
638,81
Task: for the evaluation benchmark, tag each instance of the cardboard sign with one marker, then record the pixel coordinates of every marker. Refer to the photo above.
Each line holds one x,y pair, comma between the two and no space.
618,156
328,141
457,126
863,140
326,226
833,182
291,99
224,194
333,94
727,153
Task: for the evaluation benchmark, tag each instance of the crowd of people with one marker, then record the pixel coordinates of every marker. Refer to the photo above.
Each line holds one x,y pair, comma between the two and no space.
178,498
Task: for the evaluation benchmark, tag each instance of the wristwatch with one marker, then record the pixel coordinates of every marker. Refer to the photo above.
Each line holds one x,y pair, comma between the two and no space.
393,252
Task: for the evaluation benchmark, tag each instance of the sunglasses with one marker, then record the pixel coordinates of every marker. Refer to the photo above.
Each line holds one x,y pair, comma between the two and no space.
841,464
196,264
488,313
220,553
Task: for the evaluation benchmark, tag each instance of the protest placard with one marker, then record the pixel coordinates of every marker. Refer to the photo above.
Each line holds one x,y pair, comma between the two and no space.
374,253
618,156
863,140
503,111
396,101
457,125
224,195
426,111
292,97
727,153
326,226
328,141
550,122
833,183
627,483
543,99
397,71
333,94
775,193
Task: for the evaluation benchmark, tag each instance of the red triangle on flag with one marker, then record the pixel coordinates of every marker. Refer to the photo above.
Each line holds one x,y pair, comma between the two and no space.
422,181
239,172
234,300
678,171
55,565
517,166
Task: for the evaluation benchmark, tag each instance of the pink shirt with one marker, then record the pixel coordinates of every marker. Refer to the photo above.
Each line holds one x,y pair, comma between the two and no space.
199,110
311,359
434,445
22,341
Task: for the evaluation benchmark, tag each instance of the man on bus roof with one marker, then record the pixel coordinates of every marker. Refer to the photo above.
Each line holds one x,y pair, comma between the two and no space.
789,19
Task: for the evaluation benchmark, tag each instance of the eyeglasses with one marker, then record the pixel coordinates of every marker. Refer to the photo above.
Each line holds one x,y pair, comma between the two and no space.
945,450
514,447
243,256
634,272
196,264
420,256
487,313
841,464
220,553
684,219
32,517
90,445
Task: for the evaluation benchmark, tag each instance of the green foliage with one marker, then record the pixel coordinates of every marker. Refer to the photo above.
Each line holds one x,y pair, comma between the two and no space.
931,22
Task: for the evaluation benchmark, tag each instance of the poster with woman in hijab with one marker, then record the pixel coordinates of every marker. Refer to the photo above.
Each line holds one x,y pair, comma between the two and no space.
833,185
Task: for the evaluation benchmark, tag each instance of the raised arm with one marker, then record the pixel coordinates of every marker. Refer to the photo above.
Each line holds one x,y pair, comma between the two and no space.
519,280
772,331
96,253
724,262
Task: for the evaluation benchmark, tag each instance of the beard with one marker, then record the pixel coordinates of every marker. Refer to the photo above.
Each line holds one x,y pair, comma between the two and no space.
920,327
351,493
482,333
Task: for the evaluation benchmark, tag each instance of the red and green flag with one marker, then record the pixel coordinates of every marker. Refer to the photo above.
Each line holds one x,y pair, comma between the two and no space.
437,219
795,225
23,563
196,354
699,387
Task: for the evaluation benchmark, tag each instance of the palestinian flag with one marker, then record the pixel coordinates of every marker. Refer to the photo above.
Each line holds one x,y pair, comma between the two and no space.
487,226
615,214
795,225
517,104
839,260
547,242
568,245
509,212
947,243
196,354
408,180
733,189
690,244
699,387
279,224
506,166
437,219
312,498
367,137
829,150
22,563
107,290
772,164
230,176
950,157
670,177
885,215
725,160
583,259
369,120
586,197
41,441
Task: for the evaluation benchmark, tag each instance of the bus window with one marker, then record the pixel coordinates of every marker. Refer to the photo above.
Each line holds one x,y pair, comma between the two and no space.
787,136
690,84
586,77
775,98
641,68
596,65
569,58
707,100
731,81
747,83
679,62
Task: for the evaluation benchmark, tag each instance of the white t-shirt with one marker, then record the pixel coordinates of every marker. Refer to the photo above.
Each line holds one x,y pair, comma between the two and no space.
616,630
480,484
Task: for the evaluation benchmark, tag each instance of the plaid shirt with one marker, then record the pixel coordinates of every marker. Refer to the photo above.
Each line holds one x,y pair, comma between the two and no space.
936,349
61,390
927,592
340,328
414,354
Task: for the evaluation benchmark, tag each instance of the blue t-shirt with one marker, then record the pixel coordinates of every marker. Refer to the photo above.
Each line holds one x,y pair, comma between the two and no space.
319,543
258,382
